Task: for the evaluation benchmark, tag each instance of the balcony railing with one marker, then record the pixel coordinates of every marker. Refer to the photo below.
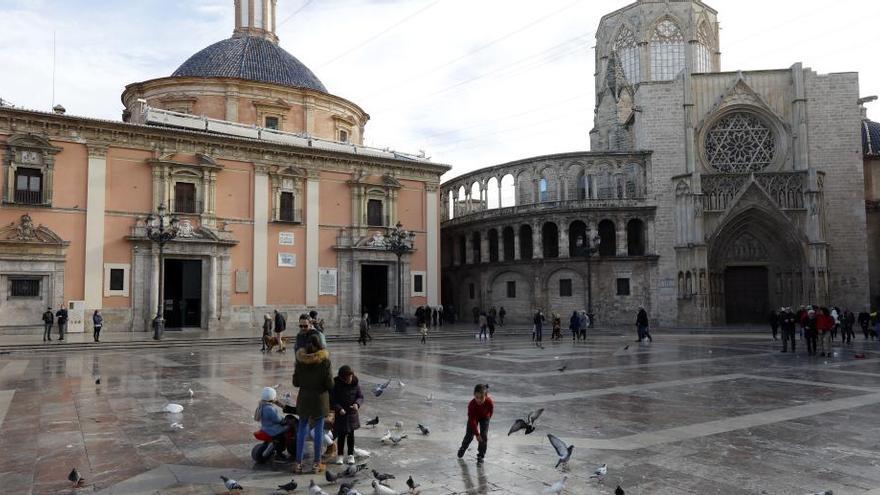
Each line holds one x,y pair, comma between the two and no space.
575,204
187,206
385,221
288,215
28,197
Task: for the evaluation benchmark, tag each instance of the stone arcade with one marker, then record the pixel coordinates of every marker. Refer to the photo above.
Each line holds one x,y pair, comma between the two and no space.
717,195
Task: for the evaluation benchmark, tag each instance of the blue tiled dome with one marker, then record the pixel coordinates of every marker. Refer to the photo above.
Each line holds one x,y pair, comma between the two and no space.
871,137
252,58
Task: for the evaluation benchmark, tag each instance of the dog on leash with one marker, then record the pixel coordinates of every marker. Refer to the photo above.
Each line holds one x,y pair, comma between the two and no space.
270,342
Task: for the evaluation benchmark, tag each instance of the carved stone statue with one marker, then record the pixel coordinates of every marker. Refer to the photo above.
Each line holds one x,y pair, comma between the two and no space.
185,229
25,230
377,241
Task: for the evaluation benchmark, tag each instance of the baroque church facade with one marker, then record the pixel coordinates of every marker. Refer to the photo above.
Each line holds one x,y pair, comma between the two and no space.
280,206
713,196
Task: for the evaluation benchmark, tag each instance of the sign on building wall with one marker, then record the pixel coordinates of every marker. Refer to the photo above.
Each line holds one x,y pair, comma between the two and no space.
327,282
285,238
287,260
76,315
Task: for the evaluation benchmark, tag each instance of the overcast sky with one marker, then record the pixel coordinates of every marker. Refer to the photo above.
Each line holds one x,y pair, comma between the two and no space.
474,83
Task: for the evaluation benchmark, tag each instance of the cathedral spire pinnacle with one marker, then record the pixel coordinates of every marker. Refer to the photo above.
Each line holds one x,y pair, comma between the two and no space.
256,18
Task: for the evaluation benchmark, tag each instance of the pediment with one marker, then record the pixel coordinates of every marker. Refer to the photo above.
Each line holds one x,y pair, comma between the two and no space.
740,95
195,160
25,232
31,141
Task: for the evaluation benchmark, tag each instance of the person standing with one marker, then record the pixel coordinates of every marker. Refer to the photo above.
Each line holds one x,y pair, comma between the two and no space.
97,324
539,326
365,330
313,377
824,324
556,323
280,327
810,331
440,315
848,321
484,325
480,411
423,331
574,325
490,322
773,319
642,325
267,331
864,321
49,320
787,325
583,324
61,315
346,400
501,313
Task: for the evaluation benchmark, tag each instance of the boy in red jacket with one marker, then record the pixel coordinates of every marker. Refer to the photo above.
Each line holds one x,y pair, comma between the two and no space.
480,410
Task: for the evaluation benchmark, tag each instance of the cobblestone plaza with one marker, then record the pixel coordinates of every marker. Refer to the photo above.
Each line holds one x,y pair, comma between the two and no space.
685,414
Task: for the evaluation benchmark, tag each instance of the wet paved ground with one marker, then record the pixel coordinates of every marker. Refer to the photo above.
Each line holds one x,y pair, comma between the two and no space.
686,414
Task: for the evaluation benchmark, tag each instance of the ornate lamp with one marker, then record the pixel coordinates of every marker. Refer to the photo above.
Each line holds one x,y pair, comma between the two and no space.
161,232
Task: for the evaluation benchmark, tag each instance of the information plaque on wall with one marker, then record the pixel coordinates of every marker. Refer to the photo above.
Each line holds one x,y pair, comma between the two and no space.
285,238
327,282
287,260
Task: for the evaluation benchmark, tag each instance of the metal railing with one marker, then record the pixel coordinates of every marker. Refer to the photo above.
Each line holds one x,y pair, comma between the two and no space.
575,204
28,197
188,206
288,215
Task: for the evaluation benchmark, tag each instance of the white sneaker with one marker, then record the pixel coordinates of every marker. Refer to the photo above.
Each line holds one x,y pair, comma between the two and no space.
349,459
338,460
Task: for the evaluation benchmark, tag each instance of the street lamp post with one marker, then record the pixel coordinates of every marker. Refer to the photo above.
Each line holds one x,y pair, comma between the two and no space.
589,246
161,232
399,242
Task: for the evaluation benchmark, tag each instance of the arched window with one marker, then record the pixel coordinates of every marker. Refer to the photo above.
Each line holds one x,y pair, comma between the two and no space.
583,187
508,191
493,245
608,238
703,49
628,53
577,232
493,196
476,248
476,196
605,186
550,240
509,244
635,237
525,242
667,51
543,196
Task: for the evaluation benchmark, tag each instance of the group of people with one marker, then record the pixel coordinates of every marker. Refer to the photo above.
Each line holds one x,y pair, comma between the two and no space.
819,326
277,323
62,317
323,402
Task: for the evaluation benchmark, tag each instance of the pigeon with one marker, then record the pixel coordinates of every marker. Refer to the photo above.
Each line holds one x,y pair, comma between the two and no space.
231,484
382,476
359,452
562,368
556,488
174,408
380,389
527,424
386,438
191,393
424,429
396,439
382,489
353,469
562,450
600,472
398,425
76,478
346,488
373,422
98,381
288,487
429,398
176,426
826,492
315,489
626,347
619,491
330,477
401,384
411,484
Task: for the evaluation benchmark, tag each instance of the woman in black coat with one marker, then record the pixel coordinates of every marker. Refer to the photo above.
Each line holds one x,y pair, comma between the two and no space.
346,399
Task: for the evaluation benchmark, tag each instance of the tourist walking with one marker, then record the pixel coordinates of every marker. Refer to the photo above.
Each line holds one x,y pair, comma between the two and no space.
834,313
811,331
346,400
480,411
583,324
440,315
774,322
313,377
848,322
574,325
280,325
642,325
61,315
267,332
864,321
824,325
556,321
306,330
787,325
538,331
365,330
48,321
424,333
97,325
490,322
501,314
484,325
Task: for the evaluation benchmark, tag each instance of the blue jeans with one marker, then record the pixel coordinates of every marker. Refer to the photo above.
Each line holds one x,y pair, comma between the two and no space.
303,431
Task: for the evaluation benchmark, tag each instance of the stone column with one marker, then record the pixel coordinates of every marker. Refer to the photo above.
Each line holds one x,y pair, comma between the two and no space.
312,242
500,204
432,218
469,248
212,293
484,246
563,241
620,226
537,242
261,234
154,284
516,255
95,206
